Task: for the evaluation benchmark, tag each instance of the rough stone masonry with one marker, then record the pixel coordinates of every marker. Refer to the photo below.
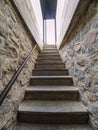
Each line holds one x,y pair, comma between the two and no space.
80,55
15,44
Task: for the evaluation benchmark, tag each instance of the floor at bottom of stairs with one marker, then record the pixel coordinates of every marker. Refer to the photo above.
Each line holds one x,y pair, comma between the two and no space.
51,127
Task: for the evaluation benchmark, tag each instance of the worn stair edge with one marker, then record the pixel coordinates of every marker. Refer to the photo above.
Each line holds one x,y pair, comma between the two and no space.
49,65
44,72
41,63
22,126
49,56
48,53
49,61
51,80
47,93
59,112
49,47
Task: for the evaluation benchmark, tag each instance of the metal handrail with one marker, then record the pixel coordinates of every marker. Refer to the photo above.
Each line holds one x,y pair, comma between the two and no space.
13,79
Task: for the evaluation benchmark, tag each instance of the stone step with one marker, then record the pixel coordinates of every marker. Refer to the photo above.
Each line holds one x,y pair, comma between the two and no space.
50,49
51,81
50,56
49,60
49,46
52,72
50,112
42,65
49,53
27,126
53,93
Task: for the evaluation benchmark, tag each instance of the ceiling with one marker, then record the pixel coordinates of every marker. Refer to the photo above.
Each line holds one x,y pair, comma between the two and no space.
48,8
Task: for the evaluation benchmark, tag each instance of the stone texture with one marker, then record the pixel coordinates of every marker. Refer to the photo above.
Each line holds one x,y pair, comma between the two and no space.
83,61
15,44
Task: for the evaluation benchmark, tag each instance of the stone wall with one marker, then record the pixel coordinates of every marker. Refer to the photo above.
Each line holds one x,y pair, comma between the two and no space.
15,44
80,55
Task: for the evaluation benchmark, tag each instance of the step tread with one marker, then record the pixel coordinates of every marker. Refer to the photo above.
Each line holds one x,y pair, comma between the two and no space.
53,88
22,126
51,77
51,69
49,54
51,80
52,51
52,106
50,58
44,63
50,61
52,93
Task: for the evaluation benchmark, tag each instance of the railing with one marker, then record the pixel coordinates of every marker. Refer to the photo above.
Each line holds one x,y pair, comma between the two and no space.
13,79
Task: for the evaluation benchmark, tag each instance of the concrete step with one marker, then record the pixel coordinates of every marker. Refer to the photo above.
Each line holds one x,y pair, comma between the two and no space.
49,46
42,65
52,72
50,56
54,93
49,53
49,60
27,126
51,81
50,49
50,112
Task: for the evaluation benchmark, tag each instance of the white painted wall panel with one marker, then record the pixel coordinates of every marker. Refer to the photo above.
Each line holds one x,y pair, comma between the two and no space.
27,12
65,17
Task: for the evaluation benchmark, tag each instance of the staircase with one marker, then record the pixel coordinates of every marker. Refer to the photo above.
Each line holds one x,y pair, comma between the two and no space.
51,101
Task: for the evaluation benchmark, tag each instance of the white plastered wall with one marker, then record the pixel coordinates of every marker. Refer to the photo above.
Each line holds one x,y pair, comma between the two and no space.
65,12
26,9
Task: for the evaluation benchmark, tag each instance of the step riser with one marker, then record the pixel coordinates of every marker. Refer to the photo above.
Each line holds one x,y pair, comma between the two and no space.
49,61
52,95
50,48
49,56
53,118
49,51
43,66
50,73
51,82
